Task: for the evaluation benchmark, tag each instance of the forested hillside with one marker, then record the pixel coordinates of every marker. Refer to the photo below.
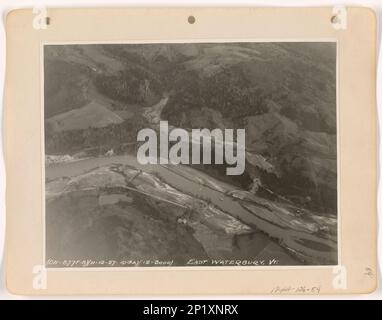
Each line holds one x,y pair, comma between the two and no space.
283,94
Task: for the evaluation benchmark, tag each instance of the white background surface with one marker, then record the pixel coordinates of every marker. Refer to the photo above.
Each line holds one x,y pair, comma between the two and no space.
7,5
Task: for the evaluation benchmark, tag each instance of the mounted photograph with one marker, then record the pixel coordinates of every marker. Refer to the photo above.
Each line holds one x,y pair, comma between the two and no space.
191,151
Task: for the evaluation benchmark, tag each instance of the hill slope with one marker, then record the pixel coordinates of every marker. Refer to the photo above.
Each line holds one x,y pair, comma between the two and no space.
92,115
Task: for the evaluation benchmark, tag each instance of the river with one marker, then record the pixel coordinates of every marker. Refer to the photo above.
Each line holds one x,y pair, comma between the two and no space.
307,245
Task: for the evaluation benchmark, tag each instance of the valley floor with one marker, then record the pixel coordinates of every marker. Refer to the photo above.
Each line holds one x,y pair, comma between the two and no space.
113,208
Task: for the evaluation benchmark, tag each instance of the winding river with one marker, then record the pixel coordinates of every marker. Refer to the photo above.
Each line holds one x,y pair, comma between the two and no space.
308,245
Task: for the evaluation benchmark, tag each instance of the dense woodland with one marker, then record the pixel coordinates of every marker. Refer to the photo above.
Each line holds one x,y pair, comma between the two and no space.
283,94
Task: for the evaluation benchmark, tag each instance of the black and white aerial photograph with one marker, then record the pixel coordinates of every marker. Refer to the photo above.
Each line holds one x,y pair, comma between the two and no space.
190,155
